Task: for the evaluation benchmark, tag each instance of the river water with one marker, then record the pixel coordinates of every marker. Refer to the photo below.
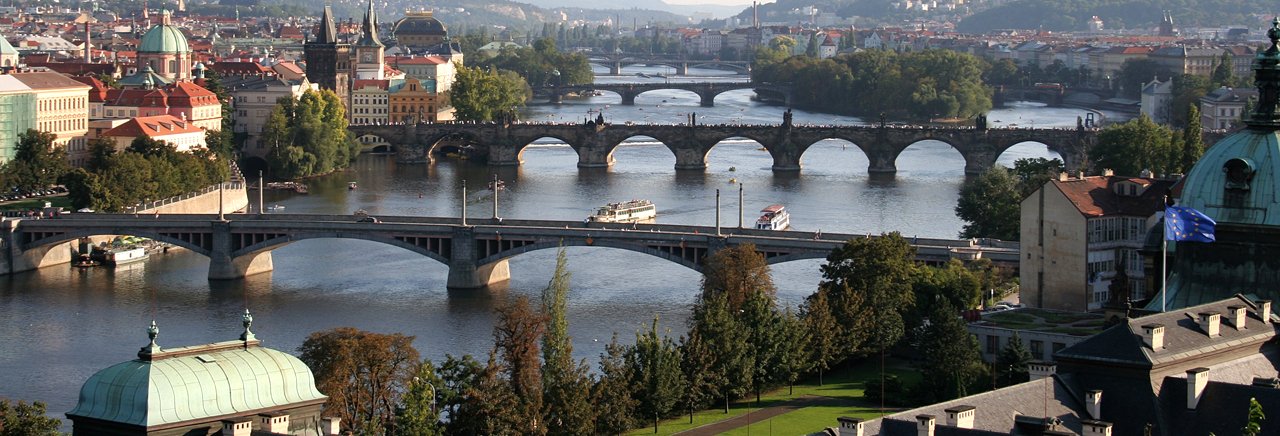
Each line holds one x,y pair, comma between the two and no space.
62,324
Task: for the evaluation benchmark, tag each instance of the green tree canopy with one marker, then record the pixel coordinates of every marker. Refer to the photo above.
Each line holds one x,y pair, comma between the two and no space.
1012,363
989,206
1138,144
22,419
951,363
486,95
655,368
878,271
418,413
566,384
363,373
309,136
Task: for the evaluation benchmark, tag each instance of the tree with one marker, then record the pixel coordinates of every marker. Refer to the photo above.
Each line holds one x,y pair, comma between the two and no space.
490,406
739,272
1012,362
731,360
822,330
516,338
1187,91
951,284
951,360
792,355
1032,173
566,384
1223,73
989,206
878,271
655,368
696,365
37,163
308,136
1002,72
480,95
458,376
361,372
811,50
100,150
1130,147
1192,139
418,413
615,406
22,419
1136,72
1256,416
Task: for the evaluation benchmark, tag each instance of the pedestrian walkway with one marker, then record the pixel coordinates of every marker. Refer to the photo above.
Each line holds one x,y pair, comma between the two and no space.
759,415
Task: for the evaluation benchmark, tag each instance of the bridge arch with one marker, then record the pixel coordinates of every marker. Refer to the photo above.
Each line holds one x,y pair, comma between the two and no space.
919,144
1015,150
622,149
781,158
274,243
683,93
524,143
693,261
194,246
373,143
717,141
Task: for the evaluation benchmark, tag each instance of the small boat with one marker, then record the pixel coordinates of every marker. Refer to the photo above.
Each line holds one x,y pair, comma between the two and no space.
774,217
125,255
733,168
351,186
633,211
733,180
275,208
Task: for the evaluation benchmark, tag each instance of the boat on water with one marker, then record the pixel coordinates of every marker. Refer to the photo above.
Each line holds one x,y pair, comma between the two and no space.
275,208
633,211
125,255
351,186
774,217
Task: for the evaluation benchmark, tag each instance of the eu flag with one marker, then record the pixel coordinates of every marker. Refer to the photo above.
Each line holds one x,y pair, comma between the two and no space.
1182,223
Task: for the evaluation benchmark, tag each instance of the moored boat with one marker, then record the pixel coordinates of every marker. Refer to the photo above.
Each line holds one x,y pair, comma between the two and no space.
125,255
774,217
633,211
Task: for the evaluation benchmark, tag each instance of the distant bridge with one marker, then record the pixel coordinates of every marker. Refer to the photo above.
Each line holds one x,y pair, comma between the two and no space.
504,144
476,252
707,91
616,62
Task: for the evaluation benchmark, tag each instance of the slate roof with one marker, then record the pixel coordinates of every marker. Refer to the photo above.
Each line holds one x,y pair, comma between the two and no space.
1094,196
996,412
1183,339
1223,407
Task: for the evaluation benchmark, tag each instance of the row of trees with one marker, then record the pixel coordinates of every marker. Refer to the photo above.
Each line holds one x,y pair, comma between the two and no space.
309,136
739,342
923,85
486,94
541,63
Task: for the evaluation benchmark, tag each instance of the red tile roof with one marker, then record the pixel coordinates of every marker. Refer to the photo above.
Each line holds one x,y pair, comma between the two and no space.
1096,196
157,126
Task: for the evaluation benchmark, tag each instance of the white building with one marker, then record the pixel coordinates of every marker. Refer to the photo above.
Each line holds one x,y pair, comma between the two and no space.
1157,100
181,134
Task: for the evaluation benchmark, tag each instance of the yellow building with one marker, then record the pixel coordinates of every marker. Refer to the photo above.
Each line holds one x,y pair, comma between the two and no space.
62,107
416,101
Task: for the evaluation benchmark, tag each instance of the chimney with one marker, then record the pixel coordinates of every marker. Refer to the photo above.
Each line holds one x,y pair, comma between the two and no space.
1238,316
1096,428
1153,336
1040,370
1264,311
1093,403
237,427
1107,172
924,425
88,44
1210,322
1063,176
1080,175
274,422
330,426
849,426
1197,379
961,416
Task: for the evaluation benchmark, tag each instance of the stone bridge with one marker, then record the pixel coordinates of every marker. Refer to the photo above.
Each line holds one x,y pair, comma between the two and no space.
615,63
707,91
504,144
476,253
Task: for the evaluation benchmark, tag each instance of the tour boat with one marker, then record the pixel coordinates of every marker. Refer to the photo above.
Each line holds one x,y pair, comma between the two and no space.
625,212
125,255
275,208
774,217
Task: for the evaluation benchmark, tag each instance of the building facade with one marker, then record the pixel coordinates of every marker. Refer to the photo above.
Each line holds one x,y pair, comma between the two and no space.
181,134
1080,234
369,102
415,102
328,61
1223,108
253,98
369,51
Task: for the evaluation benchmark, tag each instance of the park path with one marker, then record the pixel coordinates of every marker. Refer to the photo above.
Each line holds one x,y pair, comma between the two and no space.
760,415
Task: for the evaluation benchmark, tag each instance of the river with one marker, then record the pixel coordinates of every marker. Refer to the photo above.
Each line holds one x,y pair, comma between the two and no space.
62,324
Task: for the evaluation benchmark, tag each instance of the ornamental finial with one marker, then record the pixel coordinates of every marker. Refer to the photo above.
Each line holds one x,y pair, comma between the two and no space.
247,321
1266,67
152,332
151,348
1274,32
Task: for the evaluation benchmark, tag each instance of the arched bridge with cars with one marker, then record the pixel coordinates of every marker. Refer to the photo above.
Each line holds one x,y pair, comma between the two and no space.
707,91
503,144
680,66
476,251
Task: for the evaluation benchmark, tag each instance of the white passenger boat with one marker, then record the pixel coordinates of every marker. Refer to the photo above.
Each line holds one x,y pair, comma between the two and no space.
774,217
625,212
125,255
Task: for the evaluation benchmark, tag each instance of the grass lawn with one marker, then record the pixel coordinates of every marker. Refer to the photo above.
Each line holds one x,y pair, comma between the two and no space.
844,384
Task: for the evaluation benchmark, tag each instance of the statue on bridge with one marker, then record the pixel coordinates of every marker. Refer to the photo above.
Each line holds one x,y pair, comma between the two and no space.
980,122
786,118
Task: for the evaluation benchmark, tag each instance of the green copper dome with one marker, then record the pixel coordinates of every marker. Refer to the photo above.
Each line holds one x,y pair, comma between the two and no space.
164,38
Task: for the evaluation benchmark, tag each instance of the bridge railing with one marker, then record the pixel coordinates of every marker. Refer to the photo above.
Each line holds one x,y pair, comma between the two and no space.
235,181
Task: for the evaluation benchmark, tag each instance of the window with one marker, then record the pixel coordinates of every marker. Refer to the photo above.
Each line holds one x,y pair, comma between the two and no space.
1037,349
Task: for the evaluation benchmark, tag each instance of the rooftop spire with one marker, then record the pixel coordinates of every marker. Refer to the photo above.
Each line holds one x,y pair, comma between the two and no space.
151,348
369,29
1266,67
328,32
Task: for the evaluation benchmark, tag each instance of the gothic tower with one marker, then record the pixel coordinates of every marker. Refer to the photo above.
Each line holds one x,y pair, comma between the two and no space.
369,49
328,61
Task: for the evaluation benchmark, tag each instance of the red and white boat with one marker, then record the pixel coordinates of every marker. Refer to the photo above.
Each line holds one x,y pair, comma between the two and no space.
774,217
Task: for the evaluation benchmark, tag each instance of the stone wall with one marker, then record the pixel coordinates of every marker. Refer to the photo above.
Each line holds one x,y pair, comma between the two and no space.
235,197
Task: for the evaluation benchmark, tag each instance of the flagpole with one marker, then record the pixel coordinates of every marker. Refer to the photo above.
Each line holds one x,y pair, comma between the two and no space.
1164,268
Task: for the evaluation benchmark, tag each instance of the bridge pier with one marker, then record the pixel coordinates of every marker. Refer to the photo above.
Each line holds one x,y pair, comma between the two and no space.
594,157
222,266
690,158
882,163
628,97
977,163
503,156
615,69
682,69
707,99
463,271
556,97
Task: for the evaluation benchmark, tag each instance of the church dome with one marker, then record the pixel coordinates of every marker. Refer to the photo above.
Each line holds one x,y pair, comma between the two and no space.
166,387
419,24
164,38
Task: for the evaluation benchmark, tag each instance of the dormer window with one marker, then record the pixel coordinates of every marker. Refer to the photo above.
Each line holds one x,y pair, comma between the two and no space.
1238,172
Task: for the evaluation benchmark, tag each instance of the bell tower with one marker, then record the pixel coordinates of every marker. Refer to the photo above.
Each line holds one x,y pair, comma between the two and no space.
369,49
328,61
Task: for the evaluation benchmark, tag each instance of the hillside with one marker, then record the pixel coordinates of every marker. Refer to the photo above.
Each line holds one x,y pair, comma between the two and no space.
1066,15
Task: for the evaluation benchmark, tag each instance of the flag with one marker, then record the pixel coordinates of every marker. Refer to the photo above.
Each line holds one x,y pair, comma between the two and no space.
1182,223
